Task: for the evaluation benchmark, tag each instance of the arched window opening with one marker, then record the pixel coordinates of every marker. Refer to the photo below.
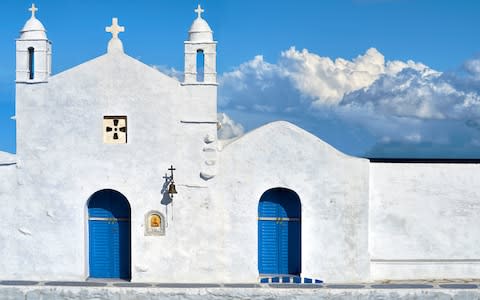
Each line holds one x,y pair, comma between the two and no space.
200,65
109,235
31,63
279,233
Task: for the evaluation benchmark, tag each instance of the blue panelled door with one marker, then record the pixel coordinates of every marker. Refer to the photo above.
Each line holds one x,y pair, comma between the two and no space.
279,232
109,235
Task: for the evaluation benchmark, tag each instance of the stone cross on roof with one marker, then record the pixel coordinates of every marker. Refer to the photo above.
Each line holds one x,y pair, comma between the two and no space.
115,44
33,9
199,11
114,29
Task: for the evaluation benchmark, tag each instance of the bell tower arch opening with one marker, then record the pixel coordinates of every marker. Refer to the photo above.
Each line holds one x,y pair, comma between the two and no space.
200,53
33,52
31,63
200,62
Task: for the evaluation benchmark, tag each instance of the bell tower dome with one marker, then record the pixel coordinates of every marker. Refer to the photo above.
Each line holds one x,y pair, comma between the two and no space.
200,53
34,52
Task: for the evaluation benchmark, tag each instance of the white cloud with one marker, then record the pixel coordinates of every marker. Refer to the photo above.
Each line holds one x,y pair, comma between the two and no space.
228,127
327,81
259,86
417,94
416,138
172,72
472,66
305,78
393,100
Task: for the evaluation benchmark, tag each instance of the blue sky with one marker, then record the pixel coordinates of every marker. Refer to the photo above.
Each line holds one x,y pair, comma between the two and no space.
370,77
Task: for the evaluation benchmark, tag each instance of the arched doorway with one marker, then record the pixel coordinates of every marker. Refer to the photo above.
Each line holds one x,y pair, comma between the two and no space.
279,233
109,235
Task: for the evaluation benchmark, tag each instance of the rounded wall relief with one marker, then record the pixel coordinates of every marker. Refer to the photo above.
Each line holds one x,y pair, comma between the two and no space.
154,223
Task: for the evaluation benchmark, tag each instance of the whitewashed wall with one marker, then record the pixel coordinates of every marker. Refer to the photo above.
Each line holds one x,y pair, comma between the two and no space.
333,190
11,229
424,220
62,161
360,220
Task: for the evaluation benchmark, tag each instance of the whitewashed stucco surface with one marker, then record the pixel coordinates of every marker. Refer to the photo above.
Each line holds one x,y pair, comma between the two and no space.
62,161
9,234
82,293
7,158
360,220
211,235
424,220
333,190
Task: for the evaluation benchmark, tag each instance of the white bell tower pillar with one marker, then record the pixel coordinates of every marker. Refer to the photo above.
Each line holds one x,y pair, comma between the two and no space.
34,52
199,115
200,53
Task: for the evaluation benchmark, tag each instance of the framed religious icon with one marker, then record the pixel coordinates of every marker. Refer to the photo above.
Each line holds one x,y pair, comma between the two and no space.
154,223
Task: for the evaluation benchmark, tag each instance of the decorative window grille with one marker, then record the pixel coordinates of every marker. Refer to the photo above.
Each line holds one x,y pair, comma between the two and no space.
115,129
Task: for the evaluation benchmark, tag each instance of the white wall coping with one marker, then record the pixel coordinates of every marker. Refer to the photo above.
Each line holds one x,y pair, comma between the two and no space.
7,158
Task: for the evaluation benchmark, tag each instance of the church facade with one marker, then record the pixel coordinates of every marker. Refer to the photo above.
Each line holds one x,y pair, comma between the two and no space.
119,174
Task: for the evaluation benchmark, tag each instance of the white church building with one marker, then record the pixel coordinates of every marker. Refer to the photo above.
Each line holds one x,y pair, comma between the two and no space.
119,174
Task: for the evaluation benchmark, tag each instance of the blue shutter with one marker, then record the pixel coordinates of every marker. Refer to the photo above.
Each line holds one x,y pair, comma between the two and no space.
268,247
124,248
109,235
283,243
279,236
294,247
268,209
115,236
100,249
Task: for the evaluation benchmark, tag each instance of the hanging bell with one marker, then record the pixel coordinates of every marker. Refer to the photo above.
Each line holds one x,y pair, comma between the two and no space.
171,189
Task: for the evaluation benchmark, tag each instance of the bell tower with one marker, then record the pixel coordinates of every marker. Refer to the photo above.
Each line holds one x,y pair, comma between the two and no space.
200,83
34,52
200,53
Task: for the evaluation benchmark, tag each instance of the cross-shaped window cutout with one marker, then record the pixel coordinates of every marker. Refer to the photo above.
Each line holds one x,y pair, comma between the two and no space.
115,129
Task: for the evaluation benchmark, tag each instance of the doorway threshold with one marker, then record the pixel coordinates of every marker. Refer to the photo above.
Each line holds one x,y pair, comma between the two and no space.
108,280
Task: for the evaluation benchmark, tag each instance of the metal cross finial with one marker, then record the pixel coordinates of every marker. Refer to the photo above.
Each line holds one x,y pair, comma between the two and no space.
199,11
33,9
171,169
114,29
166,177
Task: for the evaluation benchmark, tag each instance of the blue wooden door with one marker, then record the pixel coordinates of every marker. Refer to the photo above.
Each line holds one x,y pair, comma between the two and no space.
109,235
279,233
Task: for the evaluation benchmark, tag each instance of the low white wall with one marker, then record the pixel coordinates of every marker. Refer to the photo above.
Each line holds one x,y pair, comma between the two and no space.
424,220
82,293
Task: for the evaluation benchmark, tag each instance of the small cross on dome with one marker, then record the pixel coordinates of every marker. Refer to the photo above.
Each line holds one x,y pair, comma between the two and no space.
114,29
33,9
199,11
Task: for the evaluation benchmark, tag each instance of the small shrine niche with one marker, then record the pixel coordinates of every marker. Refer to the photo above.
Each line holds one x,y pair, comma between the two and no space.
154,223
115,129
